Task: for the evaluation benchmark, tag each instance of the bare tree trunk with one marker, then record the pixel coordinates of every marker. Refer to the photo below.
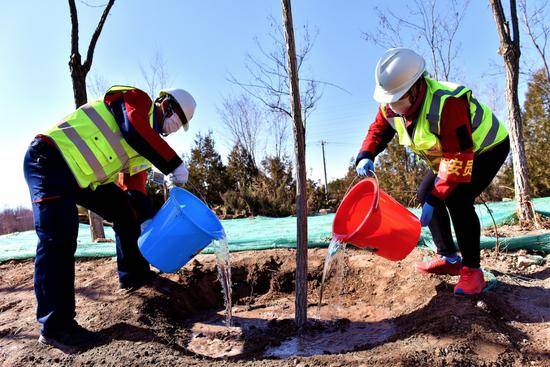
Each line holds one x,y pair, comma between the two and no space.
521,179
510,52
299,148
78,77
79,71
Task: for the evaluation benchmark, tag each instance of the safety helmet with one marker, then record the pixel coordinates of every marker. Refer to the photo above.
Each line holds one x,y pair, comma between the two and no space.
396,72
185,100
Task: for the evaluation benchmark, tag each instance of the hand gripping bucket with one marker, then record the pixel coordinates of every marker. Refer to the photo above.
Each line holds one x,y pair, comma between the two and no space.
181,229
370,218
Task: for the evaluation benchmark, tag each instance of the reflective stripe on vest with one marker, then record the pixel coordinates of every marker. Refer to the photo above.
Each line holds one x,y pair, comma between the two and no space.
84,149
478,115
101,124
433,115
492,134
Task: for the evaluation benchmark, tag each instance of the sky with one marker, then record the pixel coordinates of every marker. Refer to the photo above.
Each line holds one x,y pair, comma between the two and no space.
202,42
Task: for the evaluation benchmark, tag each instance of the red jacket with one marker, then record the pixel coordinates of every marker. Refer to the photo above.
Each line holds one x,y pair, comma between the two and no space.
455,138
131,111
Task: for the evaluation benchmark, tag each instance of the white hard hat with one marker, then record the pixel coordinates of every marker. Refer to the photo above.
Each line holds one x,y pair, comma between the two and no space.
185,100
396,71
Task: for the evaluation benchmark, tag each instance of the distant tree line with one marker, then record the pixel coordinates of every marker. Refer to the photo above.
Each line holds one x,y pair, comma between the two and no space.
243,188
16,220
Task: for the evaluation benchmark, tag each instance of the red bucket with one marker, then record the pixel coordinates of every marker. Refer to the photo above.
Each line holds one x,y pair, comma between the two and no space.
370,218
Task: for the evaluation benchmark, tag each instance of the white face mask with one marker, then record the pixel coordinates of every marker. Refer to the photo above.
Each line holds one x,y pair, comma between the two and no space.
171,124
401,106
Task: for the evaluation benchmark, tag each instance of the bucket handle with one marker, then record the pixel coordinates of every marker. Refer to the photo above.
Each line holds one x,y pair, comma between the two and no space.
376,191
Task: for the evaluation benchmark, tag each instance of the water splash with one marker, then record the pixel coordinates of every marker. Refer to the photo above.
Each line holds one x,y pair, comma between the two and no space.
336,254
221,251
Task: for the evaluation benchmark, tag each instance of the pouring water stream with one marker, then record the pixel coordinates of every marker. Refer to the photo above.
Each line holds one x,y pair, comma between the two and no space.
223,264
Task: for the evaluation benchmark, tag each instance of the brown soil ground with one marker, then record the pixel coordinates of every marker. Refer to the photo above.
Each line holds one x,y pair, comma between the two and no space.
386,315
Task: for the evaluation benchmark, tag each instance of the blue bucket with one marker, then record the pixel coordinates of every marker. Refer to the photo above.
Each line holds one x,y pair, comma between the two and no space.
180,230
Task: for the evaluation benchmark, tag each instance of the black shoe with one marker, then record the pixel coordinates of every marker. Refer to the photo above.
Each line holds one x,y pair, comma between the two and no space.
136,282
68,339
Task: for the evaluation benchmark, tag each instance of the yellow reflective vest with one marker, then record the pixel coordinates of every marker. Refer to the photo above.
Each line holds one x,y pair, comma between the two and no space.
93,146
487,130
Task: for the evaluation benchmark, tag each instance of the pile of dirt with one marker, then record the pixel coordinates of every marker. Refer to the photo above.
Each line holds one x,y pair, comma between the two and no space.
382,314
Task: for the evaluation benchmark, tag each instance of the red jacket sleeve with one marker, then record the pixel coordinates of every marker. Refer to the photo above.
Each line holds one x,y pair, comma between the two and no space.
457,146
379,135
131,110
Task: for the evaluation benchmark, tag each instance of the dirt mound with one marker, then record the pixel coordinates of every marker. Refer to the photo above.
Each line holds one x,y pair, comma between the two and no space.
382,314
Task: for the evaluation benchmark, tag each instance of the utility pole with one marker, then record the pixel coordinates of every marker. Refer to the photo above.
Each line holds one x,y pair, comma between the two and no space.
324,166
300,313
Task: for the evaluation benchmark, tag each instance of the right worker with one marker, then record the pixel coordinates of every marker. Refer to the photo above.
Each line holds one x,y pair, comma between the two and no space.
461,140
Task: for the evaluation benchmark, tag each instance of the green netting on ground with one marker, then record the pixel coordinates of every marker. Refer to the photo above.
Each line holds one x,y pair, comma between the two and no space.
504,212
262,233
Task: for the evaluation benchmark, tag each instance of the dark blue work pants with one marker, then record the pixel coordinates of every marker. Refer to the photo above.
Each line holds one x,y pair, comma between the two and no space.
55,194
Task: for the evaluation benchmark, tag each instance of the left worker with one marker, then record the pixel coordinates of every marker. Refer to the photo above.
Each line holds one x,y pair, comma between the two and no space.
78,161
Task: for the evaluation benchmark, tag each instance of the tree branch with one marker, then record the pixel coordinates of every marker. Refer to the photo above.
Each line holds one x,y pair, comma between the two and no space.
327,83
515,24
430,28
500,21
91,5
530,21
90,54
74,28
246,87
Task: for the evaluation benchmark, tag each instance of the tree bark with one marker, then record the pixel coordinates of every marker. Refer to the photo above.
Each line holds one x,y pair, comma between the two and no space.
300,152
79,87
510,51
79,71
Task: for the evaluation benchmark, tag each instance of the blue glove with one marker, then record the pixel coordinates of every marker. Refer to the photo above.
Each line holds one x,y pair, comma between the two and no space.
365,167
426,216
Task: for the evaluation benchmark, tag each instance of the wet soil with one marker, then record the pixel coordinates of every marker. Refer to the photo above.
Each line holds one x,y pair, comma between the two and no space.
381,314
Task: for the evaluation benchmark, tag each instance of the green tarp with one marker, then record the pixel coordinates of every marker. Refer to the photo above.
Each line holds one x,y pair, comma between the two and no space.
261,233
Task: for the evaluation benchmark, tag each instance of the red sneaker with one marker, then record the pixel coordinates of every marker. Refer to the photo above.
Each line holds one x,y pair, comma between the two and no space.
438,265
471,282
